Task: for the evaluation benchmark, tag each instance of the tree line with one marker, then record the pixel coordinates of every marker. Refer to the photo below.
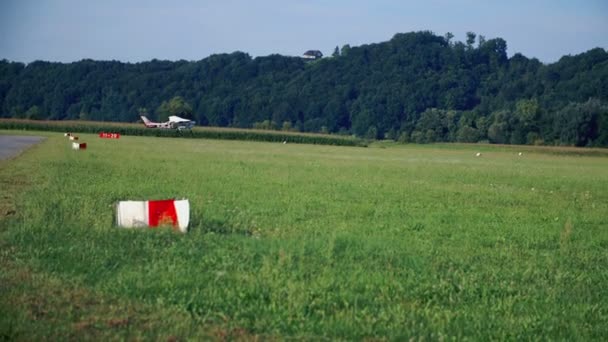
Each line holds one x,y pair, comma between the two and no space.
416,87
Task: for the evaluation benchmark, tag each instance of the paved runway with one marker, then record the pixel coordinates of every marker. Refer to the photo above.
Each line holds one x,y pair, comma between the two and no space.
12,145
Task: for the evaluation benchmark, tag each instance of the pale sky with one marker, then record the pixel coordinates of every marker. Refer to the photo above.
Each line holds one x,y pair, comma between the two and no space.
134,31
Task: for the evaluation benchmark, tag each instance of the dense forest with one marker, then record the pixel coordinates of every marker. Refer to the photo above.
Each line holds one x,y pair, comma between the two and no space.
417,87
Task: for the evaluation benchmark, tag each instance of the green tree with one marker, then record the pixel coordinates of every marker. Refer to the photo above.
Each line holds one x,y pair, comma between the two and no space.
372,133
499,132
471,39
345,50
448,37
418,137
33,113
286,126
526,115
336,52
439,122
176,106
404,137
579,123
467,134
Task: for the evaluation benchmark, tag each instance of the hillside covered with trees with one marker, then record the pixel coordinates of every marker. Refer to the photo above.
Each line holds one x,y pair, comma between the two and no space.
417,87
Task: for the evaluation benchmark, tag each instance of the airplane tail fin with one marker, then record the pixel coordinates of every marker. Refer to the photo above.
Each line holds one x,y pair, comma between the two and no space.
145,119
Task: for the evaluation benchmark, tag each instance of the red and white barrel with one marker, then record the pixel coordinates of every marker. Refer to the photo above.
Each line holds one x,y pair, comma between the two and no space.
79,146
132,214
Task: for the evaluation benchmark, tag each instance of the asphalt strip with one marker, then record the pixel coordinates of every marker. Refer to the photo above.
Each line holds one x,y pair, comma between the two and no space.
13,145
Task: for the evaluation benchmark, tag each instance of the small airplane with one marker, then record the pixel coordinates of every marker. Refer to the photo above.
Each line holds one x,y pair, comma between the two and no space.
175,122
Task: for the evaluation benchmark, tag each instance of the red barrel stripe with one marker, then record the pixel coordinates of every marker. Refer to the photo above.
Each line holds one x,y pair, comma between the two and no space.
162,212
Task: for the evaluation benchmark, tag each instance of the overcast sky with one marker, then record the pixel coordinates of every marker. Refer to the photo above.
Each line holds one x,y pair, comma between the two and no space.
133,31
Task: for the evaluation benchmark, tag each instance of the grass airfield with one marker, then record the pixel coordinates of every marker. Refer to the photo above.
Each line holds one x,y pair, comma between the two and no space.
305,241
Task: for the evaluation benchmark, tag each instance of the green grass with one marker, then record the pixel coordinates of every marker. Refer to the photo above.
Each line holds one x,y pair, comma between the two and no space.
307,242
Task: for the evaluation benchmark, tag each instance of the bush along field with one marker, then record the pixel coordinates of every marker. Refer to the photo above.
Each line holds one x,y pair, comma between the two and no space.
304,241
197,132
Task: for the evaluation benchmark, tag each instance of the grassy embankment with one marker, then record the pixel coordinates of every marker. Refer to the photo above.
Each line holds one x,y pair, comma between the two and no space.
305,241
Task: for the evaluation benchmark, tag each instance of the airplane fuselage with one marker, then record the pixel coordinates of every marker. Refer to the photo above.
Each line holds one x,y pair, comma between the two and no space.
175,122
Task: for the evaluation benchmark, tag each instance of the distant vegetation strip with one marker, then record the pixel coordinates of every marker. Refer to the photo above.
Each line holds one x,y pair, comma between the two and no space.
199,133
416,87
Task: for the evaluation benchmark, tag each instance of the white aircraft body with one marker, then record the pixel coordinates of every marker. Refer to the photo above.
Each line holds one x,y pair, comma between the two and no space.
175,122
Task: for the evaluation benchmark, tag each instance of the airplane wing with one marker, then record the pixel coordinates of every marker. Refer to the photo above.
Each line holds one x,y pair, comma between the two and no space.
174,118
